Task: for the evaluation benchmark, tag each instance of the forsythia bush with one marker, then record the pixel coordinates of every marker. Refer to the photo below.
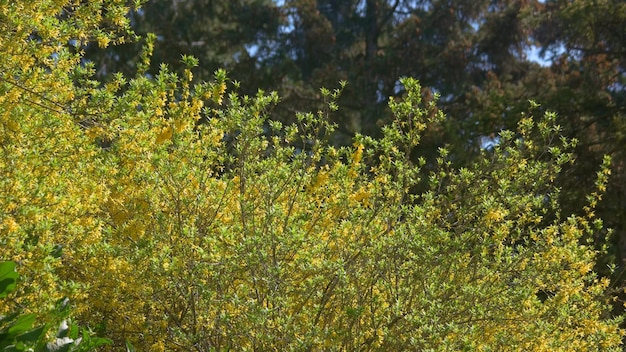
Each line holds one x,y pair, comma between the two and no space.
180,217
50,211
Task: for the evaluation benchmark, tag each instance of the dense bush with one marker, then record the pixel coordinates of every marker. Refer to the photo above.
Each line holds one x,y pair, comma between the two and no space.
181,217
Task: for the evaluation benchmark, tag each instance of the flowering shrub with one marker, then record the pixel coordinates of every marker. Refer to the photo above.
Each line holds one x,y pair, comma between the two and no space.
181,217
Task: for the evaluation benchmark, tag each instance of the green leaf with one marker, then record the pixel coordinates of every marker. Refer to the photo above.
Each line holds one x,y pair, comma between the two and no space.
129,347
189,61
31,336
89,342
8,278
8,318
22,324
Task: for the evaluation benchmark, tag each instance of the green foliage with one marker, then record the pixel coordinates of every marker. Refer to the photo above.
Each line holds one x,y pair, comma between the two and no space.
8,278
18,333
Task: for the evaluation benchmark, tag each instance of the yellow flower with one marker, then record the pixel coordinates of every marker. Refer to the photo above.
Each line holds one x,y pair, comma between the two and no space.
493,216
10,224
166,133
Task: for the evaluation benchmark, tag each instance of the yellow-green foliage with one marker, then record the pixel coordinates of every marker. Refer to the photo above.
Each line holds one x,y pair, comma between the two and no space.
48,193
189,221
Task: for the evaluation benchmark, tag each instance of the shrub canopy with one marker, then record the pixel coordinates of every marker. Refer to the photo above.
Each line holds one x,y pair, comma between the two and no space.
180,216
